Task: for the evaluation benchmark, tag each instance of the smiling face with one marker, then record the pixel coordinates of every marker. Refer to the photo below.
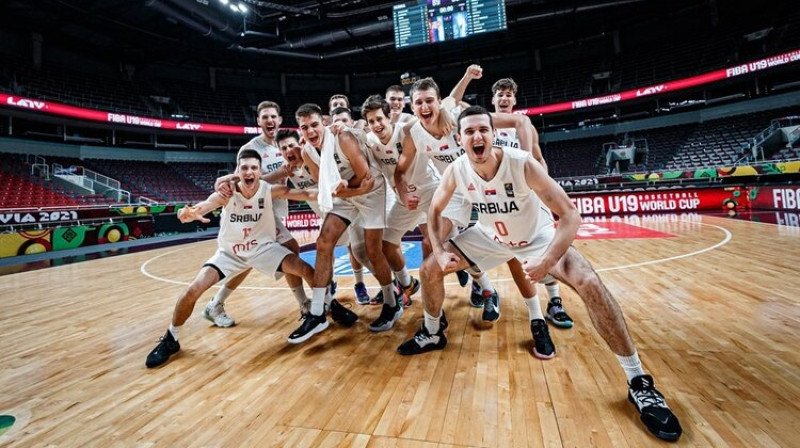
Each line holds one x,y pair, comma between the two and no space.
476,136
249,170
425,104
379,124
504,100
396,100
269,121
312,129
290,150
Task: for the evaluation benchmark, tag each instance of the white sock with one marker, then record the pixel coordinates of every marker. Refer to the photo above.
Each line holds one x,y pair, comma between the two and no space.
403,277
300,295
553,290
431,323
534,308
484,283
221,295
631,365
388,295
318,301
359,275
174,330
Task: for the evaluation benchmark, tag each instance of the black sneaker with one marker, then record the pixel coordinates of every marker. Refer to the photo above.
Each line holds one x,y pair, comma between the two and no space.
443,324
543,347
167,346
332,287
463,278
389,315
476,296
491,306
423,342
557,315
342,315
655,413
311,325
378,299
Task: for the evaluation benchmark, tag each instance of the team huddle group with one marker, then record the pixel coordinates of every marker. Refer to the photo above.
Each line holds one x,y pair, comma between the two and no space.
373,181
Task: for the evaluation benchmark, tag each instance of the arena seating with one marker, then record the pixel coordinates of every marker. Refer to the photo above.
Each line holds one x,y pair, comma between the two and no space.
154,180
202,175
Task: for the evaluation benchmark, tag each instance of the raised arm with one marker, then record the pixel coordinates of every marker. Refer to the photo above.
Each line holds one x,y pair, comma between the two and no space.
554,197
521,123
195,213
474,71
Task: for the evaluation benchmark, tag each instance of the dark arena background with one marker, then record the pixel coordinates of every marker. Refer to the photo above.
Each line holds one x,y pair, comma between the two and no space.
674,127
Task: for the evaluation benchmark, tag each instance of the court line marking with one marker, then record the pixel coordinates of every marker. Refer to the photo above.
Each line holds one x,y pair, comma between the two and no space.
728,237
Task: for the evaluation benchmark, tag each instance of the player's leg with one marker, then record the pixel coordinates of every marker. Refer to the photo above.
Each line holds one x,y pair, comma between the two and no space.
609,322
332,229
362,295
169,345
543,347
215,308
431,336
399,221
295,281
392,308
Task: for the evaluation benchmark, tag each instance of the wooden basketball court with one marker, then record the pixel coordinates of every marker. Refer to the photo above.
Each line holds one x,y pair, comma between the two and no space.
714,310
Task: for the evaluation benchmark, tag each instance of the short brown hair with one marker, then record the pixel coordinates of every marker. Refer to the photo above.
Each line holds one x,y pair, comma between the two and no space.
338,96
373,103
504,84
425,84
266,105
307,110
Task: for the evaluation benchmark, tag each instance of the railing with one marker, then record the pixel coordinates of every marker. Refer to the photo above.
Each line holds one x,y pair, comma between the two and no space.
147,201
103,180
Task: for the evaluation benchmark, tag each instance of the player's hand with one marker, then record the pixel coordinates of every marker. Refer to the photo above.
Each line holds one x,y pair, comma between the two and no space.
224,185
189,214
448,261
412,201
536,268
341,186
474,71
338,128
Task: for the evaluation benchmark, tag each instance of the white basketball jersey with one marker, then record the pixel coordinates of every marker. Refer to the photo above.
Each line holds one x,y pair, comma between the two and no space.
301,179
508,210
342,162
506,138
385,157
271,160
441,151
245,224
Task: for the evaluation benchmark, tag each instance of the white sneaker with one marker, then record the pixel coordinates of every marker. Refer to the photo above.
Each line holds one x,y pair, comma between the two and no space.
217,315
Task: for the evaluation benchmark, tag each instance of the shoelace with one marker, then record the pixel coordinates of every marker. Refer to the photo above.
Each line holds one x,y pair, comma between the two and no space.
422,336
649,397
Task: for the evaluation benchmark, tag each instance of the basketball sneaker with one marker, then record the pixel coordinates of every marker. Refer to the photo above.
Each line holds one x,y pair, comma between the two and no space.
463,278
389,315
167,346
342,315
423,342
543,347
654,412
362,296
311,325
557,315
476,296
491,306
216,314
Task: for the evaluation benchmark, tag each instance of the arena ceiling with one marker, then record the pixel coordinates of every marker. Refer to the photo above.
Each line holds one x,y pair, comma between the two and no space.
331,35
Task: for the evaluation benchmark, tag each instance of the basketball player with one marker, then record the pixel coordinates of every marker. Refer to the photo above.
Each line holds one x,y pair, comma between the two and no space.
433,138
247,239
397,102
339,100
339,165
504,97
269,120
342,119
385,142
509,187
